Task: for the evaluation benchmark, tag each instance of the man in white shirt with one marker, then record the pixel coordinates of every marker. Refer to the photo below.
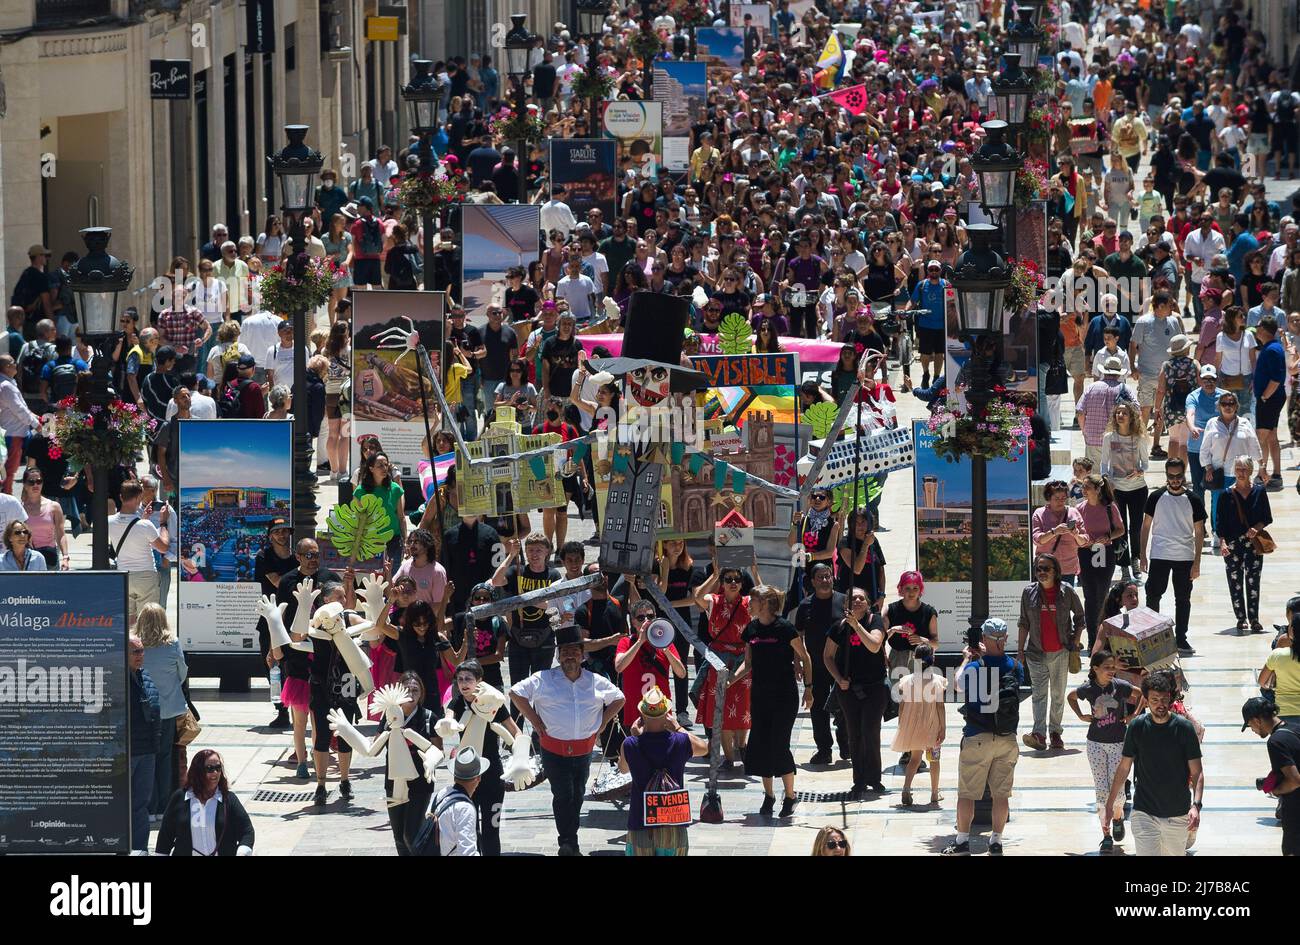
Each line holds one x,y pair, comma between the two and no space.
454,806
596,260
259,333
383,166
568,707
11,510
556,214
202,407
1277,262
135,539
578,290
1199,249
279,357
1174,526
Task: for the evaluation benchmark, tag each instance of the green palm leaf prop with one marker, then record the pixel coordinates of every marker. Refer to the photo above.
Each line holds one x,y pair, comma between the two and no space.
820,417
361,529
733,334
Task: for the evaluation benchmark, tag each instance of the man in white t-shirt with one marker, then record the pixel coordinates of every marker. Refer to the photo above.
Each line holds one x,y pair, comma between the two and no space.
1174,525
202,407
1199,248
578,290
556,214
259,333
135,546
383,166
279,357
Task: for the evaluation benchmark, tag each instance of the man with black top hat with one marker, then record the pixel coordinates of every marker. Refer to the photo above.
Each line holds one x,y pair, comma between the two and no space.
568,707
1283,781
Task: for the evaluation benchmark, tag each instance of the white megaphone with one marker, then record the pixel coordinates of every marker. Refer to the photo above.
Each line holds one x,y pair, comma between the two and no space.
660,633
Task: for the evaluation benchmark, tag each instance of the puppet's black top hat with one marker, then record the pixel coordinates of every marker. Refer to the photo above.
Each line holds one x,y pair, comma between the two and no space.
652,337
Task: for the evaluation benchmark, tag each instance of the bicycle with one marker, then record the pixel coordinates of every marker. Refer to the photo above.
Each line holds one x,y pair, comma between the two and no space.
897,329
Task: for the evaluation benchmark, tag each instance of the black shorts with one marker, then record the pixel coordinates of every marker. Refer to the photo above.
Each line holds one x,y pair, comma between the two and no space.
366,272
1268,412
930,340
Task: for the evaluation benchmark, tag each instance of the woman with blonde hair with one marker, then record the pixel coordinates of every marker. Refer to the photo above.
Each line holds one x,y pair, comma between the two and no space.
831,841
164,661
228,348
1124,464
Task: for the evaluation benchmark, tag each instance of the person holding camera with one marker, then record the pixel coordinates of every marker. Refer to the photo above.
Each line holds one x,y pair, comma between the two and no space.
988,680
854,655
516,392
1051,626
1261,716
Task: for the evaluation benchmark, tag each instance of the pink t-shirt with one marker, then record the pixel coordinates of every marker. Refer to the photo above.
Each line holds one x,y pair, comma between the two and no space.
430,580
1063,546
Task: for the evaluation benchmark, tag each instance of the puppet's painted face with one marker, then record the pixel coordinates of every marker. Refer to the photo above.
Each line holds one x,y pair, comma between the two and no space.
328,617
647,386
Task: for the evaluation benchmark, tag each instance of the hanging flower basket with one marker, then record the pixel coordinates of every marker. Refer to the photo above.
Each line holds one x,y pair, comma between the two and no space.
1031,184
510,126
690,13
1039,123
1000,431
645,46
285,292
1026,284
427,193
588,84
103,437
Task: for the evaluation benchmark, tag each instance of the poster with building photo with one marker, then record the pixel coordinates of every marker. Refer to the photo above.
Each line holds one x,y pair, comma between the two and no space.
587,167
722,49
235,478
943,536
65,773
496,238
682,88
638,128
386,381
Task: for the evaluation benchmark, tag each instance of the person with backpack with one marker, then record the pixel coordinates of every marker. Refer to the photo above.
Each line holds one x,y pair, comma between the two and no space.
402,263
367,246
59,375
1051,625
241,396
990,682
454,813
32,359
1179,377
655,753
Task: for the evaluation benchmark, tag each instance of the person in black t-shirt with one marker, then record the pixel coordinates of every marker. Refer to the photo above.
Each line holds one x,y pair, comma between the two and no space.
603,621
481,640
560,358
814,618
859,560
274,561
500,347
855,657
532,641
1283,780
520,299
467,554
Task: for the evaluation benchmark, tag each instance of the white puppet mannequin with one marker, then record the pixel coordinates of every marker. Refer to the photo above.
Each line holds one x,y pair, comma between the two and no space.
329,623
473,725
391,701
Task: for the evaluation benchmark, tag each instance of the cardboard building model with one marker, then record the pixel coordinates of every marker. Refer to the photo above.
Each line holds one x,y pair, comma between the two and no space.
733,536
508,486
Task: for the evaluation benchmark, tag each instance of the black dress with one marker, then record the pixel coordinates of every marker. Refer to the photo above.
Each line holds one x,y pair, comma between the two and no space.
773,700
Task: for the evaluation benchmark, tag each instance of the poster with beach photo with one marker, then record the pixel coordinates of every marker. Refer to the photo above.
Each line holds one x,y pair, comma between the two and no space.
235,477
386,381
943,536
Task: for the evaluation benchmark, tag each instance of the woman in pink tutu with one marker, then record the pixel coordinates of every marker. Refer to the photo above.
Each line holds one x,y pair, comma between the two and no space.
922,720
295,695
383,652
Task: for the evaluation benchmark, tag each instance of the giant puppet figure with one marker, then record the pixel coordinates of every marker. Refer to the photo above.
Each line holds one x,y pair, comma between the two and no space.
650,366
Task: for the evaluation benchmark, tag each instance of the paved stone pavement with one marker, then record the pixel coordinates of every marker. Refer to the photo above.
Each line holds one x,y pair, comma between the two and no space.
1053,811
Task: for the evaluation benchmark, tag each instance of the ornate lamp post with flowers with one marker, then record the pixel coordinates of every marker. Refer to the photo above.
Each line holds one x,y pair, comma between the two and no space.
1012,89
594,84
98,429
293,288
1025,38
423,97
519,47
996,165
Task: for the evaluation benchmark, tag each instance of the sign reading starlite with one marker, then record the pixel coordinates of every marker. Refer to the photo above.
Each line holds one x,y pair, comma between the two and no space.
586,153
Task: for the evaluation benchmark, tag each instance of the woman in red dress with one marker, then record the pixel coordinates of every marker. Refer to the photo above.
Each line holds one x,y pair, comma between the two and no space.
728,616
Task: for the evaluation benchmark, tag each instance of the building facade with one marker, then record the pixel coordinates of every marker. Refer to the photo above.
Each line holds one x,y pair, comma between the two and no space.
83,140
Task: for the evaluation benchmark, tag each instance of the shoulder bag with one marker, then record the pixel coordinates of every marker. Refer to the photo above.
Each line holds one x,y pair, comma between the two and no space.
1218,479
1262,543
117,549
1236,381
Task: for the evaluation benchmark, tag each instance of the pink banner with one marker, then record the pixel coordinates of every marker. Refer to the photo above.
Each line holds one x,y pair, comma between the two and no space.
811,352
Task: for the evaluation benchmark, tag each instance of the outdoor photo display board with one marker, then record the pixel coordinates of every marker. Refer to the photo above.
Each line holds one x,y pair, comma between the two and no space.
943,536
682,89
496,237
386,381
587,168
65,781
236,476
638,127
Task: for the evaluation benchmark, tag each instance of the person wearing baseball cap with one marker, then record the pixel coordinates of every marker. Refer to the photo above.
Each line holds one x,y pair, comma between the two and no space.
241,396
988,748
568,707
657,735
1261,717
275,560
33,291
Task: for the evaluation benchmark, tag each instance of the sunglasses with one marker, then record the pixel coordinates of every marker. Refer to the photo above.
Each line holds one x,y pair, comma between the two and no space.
309,555
212,769
20,533
837,844
32,482
731,580
1044,569
642,618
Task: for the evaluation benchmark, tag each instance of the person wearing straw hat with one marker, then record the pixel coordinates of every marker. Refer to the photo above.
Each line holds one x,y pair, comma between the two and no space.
1178,380
1098,402
655,754
568,706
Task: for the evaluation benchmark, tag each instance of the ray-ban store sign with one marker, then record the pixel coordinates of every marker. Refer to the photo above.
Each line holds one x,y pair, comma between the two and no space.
169,78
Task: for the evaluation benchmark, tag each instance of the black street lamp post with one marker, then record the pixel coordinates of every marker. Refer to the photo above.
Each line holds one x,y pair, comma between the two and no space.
996,165
1025,38
98,279
424,97
1012,89
980,279
296,167
591,27
519,48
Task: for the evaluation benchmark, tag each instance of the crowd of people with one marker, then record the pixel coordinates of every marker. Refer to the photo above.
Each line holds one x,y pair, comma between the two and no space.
1176,320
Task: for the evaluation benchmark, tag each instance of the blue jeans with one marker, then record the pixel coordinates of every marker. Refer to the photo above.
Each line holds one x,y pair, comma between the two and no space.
1203,160
469,387
568,779
142,769
69,505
